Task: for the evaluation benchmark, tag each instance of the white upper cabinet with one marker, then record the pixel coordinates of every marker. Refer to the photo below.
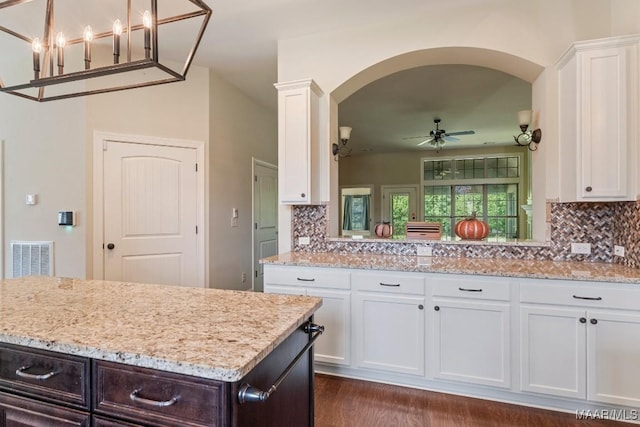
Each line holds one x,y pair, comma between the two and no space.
299,154
598,115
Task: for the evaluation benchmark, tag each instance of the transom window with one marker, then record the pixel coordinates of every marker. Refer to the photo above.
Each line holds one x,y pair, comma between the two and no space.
489,186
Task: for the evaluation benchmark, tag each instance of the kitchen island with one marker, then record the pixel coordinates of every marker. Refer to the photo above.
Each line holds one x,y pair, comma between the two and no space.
123,354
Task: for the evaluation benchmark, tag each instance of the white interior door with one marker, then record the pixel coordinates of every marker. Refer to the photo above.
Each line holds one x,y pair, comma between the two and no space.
150,214
265,218
399,205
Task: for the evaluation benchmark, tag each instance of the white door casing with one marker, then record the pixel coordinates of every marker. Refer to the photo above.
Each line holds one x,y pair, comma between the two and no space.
265,218
149,205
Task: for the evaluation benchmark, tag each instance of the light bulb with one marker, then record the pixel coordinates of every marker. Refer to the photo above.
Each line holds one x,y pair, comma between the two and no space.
117,27
147,21
36,45
88,33
61,41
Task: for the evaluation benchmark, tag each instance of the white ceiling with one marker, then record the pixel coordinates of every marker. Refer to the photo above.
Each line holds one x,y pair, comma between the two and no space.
241,46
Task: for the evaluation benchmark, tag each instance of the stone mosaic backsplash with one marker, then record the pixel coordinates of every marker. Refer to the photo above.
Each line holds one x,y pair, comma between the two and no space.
601,224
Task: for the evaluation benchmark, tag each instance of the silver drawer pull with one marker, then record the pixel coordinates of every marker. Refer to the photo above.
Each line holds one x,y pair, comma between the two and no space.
158,404
305,280
391,285
40,377
588,298
469,290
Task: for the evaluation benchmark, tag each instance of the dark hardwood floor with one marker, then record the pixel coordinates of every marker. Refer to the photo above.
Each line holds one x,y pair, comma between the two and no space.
345,402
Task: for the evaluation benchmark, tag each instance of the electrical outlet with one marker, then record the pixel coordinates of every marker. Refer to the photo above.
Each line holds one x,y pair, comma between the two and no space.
618,250
234,222
581,248
302,241
244,277
425,250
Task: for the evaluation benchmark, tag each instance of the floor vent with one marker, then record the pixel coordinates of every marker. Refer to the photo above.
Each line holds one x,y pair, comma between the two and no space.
32,258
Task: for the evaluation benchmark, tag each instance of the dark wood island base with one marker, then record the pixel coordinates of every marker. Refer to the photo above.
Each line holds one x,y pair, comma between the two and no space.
45,388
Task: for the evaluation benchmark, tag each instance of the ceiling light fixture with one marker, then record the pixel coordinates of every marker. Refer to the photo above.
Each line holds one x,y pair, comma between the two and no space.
527,137
342,150
181,24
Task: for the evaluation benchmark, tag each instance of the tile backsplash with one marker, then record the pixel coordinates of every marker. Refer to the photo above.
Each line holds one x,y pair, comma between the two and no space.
603,225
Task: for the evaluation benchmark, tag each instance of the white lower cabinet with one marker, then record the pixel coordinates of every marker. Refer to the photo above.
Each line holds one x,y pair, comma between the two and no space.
470,330
389,321
389,332
574,343
333,286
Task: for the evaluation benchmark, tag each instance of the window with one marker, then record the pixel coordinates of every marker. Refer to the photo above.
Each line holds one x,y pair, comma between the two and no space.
488,186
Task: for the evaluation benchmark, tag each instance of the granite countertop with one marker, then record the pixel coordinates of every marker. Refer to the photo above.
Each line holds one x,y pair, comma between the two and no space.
564,270
207,333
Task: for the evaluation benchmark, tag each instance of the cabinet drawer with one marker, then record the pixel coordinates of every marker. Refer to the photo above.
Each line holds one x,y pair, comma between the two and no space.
308,277
585,294
20,411
471,287
157,398
389,282
106,422
47,375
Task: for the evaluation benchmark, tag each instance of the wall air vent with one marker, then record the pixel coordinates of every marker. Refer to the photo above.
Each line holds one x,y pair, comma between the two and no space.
32,258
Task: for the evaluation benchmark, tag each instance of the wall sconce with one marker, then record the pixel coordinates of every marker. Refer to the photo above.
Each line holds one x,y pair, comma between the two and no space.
342,150
527,137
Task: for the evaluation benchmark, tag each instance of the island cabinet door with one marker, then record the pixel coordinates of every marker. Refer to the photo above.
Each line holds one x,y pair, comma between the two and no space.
291,404
22,412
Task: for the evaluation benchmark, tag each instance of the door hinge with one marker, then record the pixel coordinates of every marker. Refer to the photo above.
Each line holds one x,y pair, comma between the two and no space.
196,229
196,167
256,273
255,225
255,178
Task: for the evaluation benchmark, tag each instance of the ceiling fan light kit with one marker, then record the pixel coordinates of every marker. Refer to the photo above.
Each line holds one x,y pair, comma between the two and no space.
438,137
527,138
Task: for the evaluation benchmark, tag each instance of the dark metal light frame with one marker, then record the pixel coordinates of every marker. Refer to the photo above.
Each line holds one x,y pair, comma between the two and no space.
49,79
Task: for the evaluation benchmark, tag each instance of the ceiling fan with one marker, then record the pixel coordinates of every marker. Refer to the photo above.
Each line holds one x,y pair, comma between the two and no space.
438,137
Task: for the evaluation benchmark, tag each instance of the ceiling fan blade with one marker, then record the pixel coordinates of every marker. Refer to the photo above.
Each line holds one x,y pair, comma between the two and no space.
416,137
464,132
450,138
430,140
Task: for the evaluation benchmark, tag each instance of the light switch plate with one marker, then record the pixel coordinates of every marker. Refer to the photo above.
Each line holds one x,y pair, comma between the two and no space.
618,250
425,250
304,240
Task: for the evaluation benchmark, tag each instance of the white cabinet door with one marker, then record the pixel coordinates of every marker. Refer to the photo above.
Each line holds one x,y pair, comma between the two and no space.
299,154
553,351
333,346
598,111
389,332
614,353
471,342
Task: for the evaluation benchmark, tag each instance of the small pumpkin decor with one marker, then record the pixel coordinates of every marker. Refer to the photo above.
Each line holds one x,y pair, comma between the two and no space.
384,229
471,228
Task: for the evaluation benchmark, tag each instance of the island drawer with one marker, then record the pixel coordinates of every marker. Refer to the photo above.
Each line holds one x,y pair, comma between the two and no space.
397,283
470,287
158,398
20,411
308,277
46,375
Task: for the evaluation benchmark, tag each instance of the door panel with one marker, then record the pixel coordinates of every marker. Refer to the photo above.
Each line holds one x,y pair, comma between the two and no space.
399,205
150,203
265,214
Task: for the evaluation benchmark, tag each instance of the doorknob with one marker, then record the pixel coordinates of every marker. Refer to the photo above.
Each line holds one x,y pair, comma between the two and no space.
110,246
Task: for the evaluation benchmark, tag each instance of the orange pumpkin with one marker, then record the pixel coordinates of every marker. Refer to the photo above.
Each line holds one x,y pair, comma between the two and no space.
471,228
384,229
